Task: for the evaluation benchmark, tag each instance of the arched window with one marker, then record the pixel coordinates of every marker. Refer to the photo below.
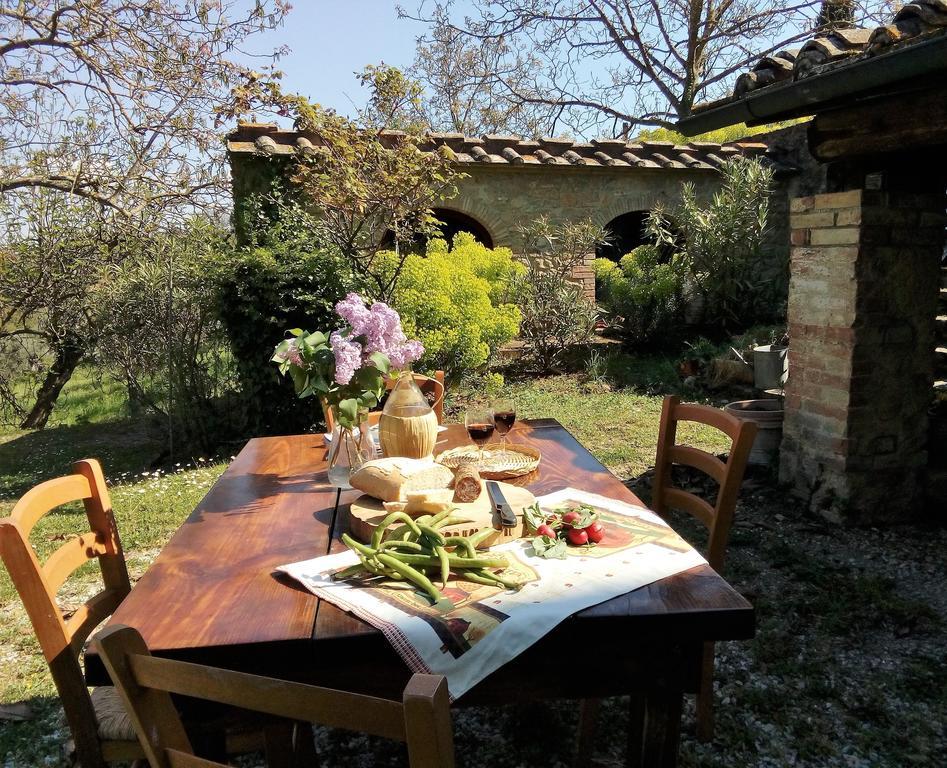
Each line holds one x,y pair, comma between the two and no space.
625,233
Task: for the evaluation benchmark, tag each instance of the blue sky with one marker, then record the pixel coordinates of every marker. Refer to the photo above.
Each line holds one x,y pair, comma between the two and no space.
330,40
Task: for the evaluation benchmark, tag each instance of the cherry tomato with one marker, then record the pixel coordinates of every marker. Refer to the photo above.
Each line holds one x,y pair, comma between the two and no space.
545,530
596,532
570,517
577,537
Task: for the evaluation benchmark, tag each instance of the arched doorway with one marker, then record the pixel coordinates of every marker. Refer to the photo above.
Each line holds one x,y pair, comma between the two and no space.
625,233
453,222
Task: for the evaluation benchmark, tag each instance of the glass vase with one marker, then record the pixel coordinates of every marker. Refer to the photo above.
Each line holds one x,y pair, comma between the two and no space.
349,449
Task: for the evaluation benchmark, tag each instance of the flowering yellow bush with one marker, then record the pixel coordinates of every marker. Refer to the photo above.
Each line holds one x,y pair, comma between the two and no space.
457,302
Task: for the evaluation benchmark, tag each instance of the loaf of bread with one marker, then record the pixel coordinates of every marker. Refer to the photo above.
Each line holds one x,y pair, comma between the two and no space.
467,483
391,479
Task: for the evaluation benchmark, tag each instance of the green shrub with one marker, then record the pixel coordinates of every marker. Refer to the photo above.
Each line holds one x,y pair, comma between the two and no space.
556,313
161,336
456,301
287,281
643,294
720,245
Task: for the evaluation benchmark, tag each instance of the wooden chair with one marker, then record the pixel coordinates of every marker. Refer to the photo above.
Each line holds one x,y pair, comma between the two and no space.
429,385
101,730
716,517
144,682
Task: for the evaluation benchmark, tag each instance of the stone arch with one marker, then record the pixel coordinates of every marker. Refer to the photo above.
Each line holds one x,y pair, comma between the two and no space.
625,233
455,221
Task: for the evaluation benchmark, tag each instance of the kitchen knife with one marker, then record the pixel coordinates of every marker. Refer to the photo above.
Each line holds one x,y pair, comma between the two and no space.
500,505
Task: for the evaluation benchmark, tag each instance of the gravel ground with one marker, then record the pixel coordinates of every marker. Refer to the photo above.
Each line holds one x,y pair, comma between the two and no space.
848,668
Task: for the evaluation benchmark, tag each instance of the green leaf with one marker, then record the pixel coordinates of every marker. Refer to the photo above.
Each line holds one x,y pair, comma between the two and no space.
300,379
348,412
380,361
534,517
544,546
296,331
317,339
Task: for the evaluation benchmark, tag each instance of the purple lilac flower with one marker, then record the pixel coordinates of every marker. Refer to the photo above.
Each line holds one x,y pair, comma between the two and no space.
406,353
292,353
353,310
348,357
381,329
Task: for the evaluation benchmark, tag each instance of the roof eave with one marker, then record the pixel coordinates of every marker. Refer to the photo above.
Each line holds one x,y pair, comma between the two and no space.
913,64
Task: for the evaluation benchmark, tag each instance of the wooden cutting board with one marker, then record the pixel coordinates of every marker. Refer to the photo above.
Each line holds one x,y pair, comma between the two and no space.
367,512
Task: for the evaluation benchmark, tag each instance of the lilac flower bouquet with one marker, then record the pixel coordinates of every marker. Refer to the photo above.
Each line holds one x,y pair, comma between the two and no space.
348,366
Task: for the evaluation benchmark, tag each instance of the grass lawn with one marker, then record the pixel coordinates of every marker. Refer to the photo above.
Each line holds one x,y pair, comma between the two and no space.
847,668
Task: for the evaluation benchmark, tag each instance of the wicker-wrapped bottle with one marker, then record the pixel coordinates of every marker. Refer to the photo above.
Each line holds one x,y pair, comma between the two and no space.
408,424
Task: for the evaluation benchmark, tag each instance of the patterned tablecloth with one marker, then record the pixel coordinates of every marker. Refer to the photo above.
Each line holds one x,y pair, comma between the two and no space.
489,626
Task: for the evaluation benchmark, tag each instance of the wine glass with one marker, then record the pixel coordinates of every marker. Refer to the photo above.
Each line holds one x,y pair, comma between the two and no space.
504,415
480,426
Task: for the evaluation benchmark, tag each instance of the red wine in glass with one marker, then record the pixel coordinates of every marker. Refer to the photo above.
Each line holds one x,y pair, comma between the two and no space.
504,413
505,421
480,426
480,432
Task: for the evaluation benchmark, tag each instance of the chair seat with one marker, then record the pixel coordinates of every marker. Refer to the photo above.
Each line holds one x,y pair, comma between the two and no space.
114,722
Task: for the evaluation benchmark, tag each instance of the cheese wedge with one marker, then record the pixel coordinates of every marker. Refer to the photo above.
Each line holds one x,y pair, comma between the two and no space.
428,502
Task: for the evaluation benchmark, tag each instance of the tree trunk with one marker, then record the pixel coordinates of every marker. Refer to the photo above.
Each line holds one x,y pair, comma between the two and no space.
68,358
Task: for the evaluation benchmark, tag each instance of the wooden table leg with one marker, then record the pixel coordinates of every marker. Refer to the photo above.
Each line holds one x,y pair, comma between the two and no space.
654,726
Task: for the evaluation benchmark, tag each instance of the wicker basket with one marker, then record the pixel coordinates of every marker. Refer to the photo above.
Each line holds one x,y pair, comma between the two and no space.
498,463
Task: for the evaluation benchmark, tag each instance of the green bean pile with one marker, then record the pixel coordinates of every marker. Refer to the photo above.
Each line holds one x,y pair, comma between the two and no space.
417,550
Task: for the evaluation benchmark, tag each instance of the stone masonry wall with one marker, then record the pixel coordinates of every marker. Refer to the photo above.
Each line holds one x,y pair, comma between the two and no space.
502,198
864,282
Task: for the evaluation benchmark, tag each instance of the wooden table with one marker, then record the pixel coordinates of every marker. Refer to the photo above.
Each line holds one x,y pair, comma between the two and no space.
212,595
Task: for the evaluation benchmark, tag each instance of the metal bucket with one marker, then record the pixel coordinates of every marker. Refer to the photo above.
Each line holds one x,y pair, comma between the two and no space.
770,366
768,417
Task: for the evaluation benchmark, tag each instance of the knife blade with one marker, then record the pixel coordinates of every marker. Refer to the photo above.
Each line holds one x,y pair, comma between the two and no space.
500,505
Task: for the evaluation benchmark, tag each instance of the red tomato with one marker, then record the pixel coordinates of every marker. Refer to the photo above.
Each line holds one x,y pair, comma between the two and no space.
577,537
596,532
570,517
545,530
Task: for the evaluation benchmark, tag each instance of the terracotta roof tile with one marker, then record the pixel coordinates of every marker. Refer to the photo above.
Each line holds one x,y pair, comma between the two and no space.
270,140
841,47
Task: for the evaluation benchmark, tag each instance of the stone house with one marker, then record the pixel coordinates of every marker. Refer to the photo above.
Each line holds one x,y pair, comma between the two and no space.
868,290
613,182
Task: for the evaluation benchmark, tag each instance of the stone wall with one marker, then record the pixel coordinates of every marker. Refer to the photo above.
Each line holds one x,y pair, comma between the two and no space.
864,283
503,197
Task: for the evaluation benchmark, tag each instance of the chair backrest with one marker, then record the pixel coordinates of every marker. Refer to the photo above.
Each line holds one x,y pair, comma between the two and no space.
729,475
62,638
144,683
430,385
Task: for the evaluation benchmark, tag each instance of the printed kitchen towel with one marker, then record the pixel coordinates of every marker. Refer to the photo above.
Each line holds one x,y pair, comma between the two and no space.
488,626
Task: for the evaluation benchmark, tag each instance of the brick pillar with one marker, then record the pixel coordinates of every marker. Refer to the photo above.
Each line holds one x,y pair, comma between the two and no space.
862,299
583,275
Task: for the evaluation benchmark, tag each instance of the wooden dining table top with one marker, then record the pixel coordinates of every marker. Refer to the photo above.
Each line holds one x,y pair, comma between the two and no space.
213,594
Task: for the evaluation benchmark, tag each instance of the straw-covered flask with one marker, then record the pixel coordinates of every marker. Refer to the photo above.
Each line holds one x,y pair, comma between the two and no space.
408,424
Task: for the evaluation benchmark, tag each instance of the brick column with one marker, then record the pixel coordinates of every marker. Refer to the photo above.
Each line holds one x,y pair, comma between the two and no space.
583,275
862,299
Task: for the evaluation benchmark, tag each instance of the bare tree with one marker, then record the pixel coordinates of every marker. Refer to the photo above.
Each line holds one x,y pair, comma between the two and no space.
465,82
113,100
618,64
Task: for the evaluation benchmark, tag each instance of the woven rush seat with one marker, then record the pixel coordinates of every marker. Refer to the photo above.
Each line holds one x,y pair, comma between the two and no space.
110,715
